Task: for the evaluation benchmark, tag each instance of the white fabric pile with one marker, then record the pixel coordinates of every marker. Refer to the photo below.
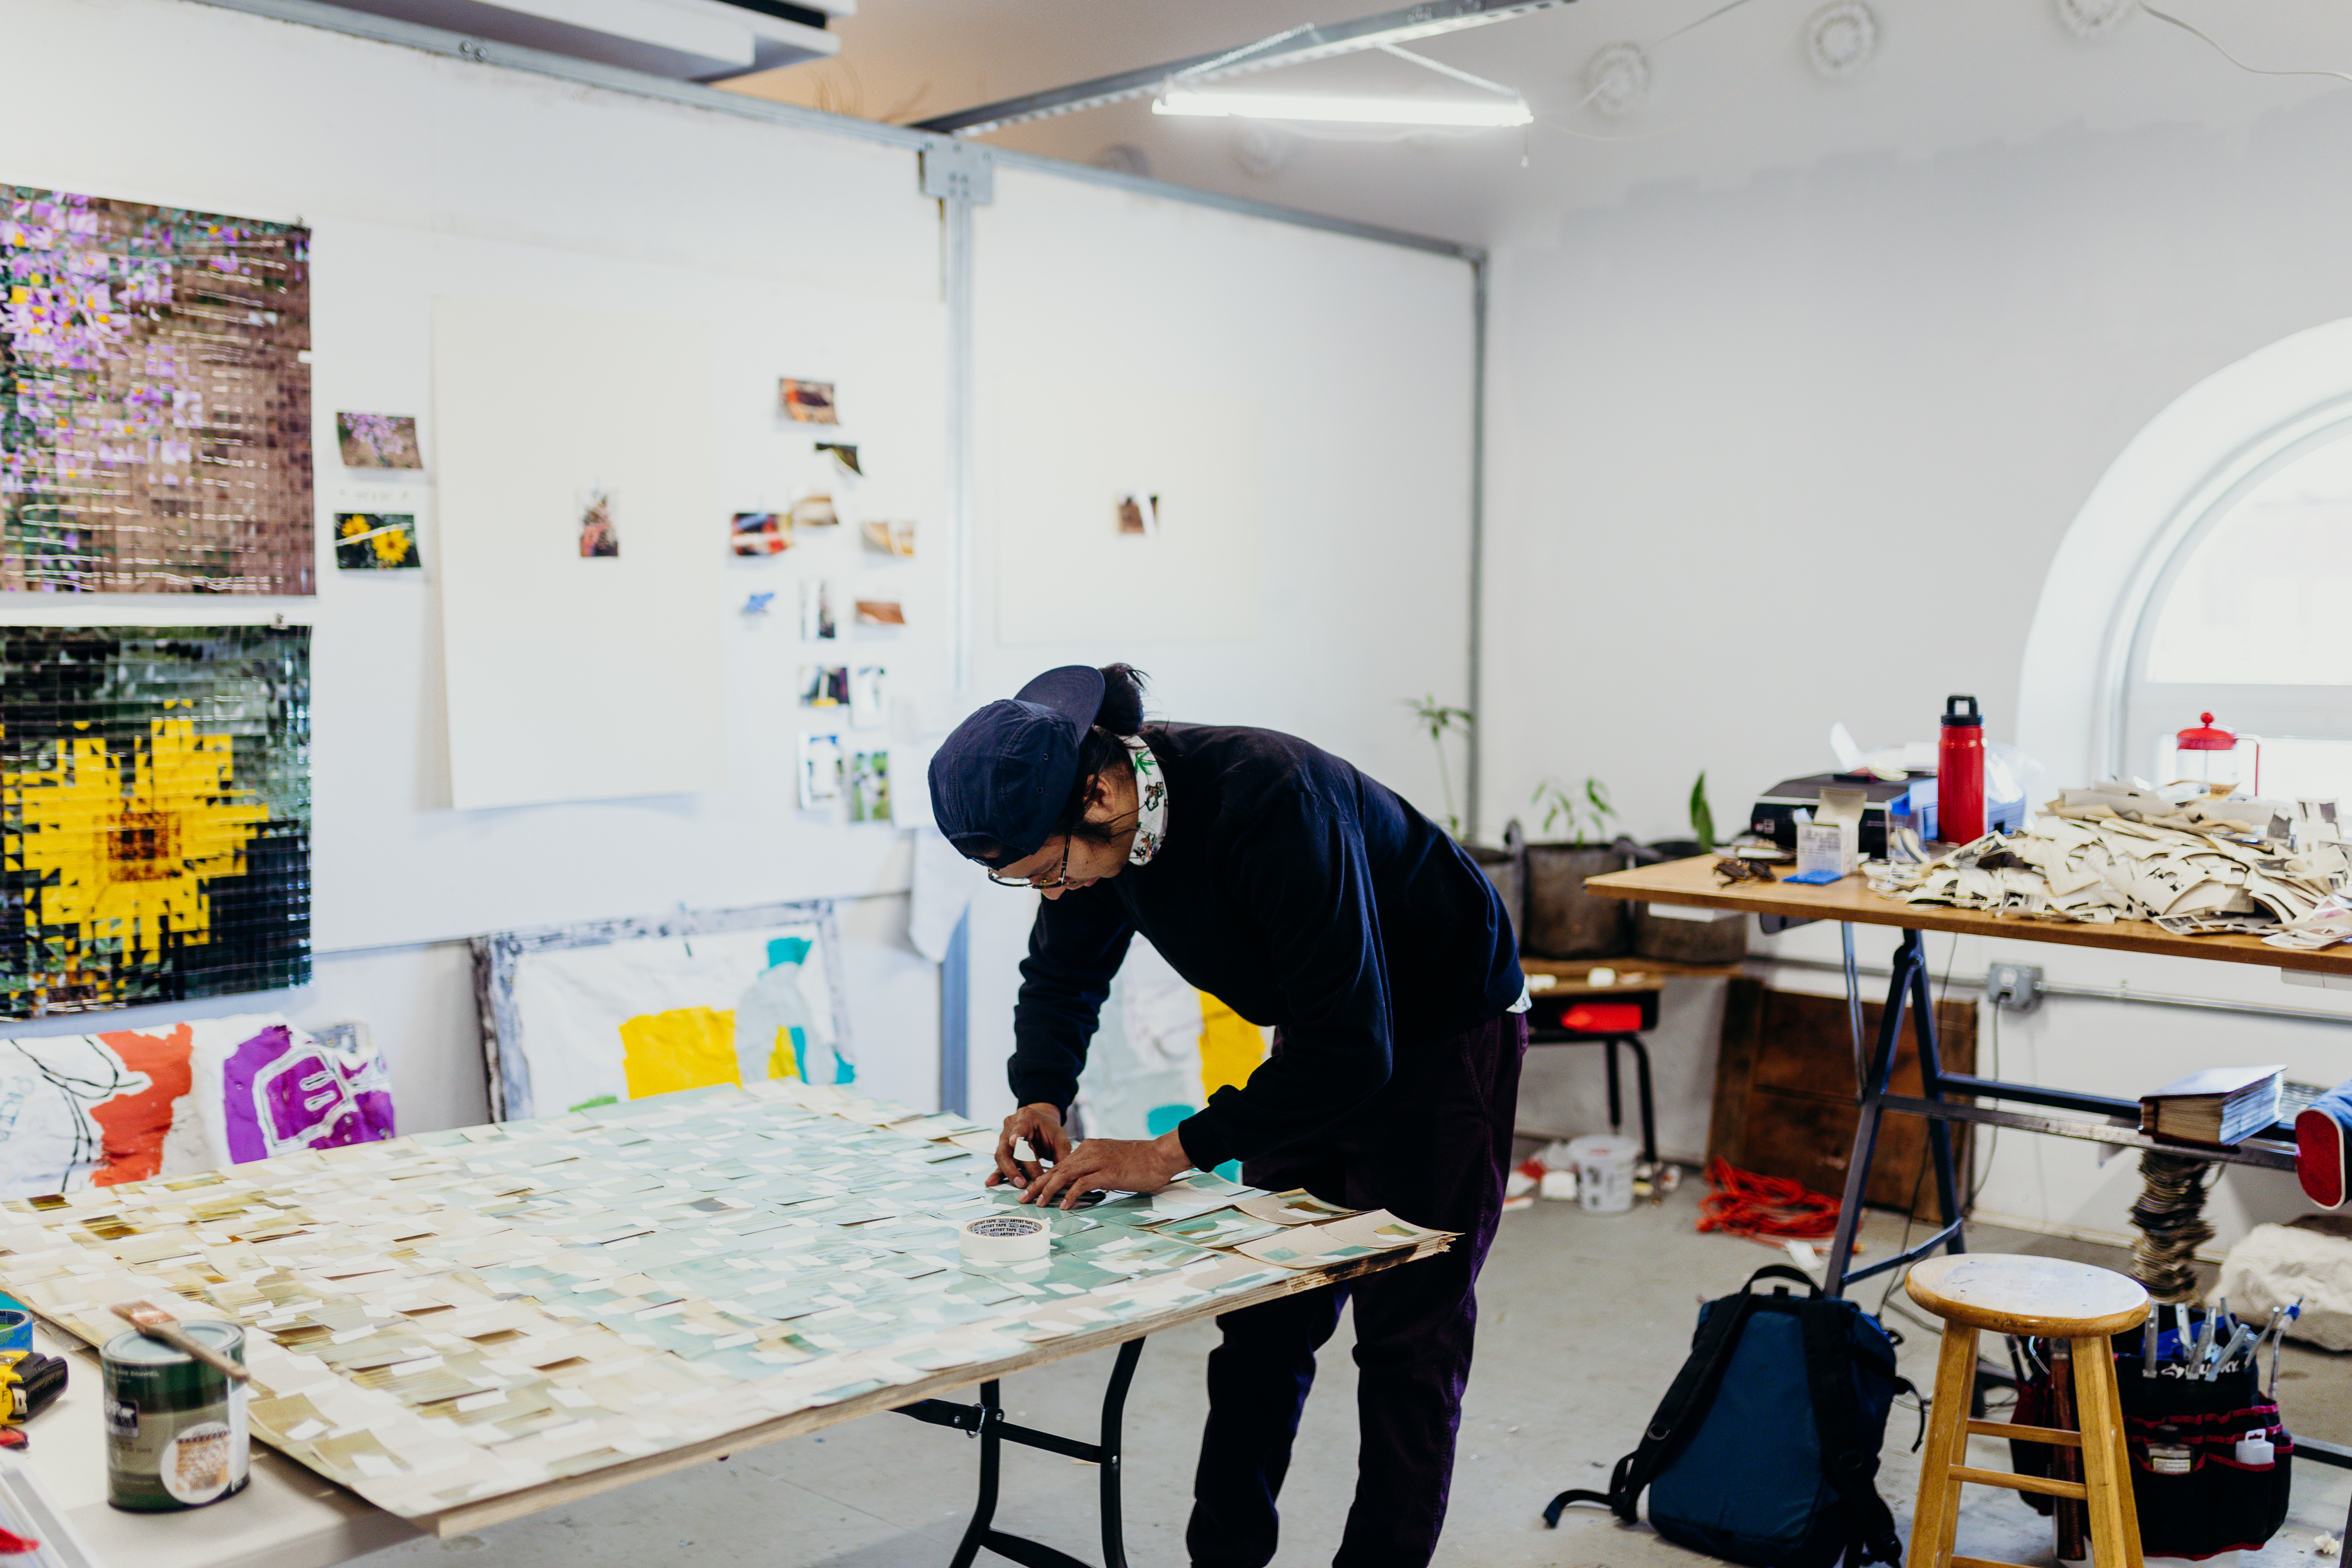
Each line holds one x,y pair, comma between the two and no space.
2190,864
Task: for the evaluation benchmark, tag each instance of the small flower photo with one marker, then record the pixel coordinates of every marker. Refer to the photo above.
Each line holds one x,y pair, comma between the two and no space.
378,440
375,541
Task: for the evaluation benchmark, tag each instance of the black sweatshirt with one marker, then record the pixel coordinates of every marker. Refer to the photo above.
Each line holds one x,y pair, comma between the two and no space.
1304,895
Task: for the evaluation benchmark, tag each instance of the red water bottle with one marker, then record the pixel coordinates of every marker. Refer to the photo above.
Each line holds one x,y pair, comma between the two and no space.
1959,773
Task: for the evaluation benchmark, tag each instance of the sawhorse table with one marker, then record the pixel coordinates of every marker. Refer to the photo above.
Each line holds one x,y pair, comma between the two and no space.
1946,1097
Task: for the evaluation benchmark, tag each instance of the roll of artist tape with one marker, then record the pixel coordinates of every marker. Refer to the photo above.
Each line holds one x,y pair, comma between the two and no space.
16,1330
1004,1238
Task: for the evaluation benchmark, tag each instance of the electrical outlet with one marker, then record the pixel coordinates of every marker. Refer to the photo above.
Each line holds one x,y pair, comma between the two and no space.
2016,986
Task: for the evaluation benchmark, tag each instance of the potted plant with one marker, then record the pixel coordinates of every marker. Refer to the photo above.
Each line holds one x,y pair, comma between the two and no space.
1689,935
1563,921
1502,866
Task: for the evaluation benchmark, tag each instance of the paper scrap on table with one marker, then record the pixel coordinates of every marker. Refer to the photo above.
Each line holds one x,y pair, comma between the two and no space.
1296,1207
1219,1227
1303,1247
1381,1230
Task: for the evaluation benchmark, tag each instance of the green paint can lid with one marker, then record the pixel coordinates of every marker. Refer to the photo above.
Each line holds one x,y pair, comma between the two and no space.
135,1349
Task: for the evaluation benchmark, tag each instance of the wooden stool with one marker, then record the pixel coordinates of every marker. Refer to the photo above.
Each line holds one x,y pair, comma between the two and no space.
2049,1299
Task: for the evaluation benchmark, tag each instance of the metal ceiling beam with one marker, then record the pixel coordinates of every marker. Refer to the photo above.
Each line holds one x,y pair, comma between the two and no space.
1427,20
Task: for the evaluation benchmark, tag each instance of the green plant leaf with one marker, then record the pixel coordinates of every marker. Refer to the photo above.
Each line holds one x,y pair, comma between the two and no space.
1702,816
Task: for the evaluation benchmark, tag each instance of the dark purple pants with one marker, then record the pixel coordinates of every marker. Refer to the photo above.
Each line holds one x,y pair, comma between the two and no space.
1432,1147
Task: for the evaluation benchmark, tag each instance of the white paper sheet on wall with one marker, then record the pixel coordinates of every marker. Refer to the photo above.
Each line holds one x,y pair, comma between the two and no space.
577,522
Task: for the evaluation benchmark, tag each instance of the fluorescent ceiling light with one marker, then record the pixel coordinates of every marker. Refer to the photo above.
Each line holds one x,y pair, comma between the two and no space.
1356,111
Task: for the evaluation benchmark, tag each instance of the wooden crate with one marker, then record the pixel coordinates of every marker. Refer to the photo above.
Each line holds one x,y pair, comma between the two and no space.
1784,1094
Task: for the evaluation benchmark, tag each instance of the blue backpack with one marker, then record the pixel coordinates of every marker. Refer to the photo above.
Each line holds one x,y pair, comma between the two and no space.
1765,1451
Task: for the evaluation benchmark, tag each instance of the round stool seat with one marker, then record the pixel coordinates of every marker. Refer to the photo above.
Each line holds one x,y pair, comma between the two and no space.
2008,1294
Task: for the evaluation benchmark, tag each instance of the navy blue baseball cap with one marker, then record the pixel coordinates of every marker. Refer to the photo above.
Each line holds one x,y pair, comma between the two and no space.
1000,782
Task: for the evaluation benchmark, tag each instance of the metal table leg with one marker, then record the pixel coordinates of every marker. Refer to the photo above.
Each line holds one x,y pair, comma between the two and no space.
1642,1092
986,1421
1907,987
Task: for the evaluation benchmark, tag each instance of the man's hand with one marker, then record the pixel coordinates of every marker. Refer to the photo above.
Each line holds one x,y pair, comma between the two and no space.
1041,1125
1113,1164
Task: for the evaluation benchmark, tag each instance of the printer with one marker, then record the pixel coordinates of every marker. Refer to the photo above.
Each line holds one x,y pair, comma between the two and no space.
1775,814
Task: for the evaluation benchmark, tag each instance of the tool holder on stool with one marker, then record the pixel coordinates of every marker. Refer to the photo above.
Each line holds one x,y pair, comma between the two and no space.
2215,1505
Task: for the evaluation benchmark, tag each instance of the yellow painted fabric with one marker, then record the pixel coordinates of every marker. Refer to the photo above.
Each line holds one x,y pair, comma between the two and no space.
686,1047
1231,1047
781,1062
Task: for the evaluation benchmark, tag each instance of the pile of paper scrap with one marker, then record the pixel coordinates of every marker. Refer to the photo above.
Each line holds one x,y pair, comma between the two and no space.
2191,864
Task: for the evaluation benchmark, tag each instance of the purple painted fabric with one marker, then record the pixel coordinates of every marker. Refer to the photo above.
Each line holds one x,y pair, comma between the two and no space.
278,1096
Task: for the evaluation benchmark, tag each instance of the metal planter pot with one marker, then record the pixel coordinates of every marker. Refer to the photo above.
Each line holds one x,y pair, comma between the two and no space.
1707,941
1563,920
1657,933
1506,869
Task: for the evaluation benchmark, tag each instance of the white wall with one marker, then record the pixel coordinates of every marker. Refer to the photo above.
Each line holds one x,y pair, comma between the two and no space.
1767,457
807,253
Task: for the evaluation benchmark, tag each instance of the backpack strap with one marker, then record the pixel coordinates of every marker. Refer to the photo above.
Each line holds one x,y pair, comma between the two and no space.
1848,1463
1684,1406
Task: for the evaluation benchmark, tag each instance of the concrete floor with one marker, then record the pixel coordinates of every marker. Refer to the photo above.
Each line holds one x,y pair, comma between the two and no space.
1585,1317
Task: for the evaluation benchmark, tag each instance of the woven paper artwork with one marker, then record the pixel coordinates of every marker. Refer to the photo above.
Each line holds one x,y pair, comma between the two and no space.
445,1318
155,434
154,814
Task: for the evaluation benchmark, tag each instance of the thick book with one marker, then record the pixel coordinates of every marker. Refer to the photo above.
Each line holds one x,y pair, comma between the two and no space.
2219,1105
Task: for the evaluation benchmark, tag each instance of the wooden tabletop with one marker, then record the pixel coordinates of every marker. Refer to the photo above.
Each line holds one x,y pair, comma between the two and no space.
1694,881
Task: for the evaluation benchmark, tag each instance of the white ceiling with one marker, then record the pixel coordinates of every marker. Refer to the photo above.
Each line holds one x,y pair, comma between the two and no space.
1732,102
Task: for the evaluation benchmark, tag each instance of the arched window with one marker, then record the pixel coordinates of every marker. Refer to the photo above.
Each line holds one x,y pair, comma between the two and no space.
2210,571
2250,618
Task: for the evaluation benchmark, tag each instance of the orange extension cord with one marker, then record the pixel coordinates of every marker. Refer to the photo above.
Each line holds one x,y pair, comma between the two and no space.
1764,1207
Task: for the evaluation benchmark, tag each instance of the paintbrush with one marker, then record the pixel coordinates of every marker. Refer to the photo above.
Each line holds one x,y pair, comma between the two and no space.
159,1324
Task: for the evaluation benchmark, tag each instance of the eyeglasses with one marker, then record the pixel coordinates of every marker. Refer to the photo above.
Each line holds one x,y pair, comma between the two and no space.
1061,873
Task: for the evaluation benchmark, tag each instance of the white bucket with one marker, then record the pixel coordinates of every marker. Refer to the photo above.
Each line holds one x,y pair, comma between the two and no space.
1604,1172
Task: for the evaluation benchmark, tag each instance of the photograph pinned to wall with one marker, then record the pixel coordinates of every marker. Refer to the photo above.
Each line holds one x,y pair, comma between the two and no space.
378,440
375,541
616,1010
96,1111
159,431
157,841
869,786
869,696
845,454
820,770
1139,514
880,613
816,511
891,538
599,535
825,686
809,401
761,533
817,622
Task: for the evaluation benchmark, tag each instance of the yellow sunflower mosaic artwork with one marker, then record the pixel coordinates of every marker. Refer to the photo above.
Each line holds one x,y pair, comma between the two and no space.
117,848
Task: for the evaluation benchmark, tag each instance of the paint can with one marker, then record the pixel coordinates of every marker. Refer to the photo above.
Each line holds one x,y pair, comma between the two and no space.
176,1434
1604,1172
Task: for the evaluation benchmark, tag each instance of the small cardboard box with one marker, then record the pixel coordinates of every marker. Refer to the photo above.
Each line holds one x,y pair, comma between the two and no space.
1831,842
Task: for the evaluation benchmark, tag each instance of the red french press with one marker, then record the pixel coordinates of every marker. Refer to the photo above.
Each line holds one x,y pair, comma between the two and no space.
1959,773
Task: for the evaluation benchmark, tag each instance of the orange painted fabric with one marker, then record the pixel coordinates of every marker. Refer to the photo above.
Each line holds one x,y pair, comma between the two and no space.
132,1126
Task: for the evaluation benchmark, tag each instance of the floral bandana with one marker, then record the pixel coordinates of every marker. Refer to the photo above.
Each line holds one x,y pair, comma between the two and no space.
1151,802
